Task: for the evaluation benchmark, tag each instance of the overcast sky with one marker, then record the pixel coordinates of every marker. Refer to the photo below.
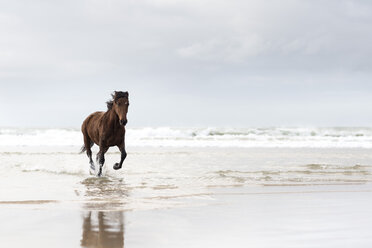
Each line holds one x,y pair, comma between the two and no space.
187,63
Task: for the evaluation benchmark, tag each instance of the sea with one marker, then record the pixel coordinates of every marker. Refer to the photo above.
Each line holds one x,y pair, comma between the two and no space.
189,187
336,137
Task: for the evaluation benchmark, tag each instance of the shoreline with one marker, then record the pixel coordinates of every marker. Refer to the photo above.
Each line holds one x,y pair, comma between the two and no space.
187,197
275,219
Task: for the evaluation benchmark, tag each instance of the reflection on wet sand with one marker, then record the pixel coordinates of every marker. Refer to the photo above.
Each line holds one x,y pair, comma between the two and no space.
103,229
103,223
105,193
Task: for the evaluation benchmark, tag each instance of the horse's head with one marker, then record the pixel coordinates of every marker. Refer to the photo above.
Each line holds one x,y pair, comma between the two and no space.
120,105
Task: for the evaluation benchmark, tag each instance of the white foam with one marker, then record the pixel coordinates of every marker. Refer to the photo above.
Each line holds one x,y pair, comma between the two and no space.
202,137
40,137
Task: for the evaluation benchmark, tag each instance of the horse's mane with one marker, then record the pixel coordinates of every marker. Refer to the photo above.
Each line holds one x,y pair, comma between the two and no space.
115,96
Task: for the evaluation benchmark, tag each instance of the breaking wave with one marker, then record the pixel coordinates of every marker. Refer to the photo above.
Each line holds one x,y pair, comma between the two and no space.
202,137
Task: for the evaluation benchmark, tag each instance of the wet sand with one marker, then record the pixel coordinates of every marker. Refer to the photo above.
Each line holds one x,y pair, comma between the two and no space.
183,197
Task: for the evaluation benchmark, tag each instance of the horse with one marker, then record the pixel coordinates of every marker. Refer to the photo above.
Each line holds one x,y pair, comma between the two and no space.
107,129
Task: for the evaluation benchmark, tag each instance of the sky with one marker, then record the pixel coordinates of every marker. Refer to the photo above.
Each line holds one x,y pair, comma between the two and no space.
220,63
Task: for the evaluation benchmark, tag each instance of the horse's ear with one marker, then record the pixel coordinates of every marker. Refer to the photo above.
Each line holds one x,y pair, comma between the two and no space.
126,93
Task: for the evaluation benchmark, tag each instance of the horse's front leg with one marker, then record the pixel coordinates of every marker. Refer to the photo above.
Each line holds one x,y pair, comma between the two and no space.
101,158
118,166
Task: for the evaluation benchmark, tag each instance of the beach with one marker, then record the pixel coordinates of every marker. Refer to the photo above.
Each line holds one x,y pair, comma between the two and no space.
232,194
240,124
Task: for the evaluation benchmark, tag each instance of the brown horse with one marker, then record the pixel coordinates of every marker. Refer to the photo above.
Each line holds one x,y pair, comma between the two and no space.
107,129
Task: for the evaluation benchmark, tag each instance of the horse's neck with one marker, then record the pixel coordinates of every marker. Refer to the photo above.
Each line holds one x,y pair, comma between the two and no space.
112,118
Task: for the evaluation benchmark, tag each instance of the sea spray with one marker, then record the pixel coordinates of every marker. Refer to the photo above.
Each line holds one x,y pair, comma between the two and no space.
201,137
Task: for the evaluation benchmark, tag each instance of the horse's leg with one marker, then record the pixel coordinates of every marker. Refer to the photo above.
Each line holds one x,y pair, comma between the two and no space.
88,145
118,166
101,158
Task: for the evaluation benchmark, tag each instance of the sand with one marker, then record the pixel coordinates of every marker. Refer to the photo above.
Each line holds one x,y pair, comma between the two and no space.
187,197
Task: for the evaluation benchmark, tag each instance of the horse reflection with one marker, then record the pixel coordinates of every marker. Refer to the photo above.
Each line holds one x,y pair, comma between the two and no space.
103,229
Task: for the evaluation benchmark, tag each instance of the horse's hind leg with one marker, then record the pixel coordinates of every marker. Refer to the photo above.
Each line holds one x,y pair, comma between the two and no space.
101,158
88,145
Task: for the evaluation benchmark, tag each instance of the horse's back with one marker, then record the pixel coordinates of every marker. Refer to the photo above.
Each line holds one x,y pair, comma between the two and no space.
90,125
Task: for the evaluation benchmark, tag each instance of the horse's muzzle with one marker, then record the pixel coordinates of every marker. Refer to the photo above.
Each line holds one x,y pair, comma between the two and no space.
123,122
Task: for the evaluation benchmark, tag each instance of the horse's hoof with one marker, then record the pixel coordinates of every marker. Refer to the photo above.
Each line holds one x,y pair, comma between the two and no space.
92,169
99,172
117,166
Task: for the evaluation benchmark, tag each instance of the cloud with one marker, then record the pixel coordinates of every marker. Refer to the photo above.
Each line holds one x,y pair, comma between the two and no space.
155,34
241,51
232,49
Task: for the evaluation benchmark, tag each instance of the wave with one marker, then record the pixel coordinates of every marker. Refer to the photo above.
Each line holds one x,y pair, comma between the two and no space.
202,137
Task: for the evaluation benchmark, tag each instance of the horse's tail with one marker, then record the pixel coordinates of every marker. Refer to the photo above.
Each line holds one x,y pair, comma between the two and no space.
83,149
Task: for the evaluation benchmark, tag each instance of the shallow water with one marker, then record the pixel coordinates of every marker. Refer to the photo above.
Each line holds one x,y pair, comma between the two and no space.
189,190
167,177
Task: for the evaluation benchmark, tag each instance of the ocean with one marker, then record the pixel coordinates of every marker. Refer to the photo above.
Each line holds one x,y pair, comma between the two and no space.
189,187
342,137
